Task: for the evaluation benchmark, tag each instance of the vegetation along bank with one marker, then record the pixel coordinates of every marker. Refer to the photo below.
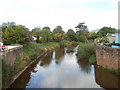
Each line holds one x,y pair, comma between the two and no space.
38,41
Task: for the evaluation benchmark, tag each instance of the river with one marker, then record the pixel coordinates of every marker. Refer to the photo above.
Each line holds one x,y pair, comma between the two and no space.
62,69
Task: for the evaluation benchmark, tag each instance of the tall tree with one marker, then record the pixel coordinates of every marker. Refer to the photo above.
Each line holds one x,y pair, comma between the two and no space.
36,31
58,34
15,34
103,31
45,35
82,32
81,27
71,35
58,29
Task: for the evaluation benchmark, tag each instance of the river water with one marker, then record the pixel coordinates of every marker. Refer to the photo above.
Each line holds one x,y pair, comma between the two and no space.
62,69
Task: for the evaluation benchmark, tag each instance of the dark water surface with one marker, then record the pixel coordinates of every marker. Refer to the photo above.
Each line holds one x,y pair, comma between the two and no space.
62,69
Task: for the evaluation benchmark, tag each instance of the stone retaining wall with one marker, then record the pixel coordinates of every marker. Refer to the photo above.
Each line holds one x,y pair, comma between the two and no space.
107,57
9,56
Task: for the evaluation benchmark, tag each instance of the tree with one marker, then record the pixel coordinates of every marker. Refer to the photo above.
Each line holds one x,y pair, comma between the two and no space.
9,35
71,35
82,32
58,29
15,34
58,34
81,27
45,35
103,31
36,33
92,35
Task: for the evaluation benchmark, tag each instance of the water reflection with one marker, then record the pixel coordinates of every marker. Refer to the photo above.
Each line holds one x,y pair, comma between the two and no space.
25,77
106,79
60,69
59,53
45,62
70,49
84,65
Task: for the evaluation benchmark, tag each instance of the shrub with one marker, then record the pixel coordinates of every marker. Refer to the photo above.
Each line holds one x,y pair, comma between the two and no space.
64,43
92,59
85,50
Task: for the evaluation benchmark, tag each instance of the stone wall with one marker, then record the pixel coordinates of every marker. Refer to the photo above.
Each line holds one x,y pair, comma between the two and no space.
9,56
107,57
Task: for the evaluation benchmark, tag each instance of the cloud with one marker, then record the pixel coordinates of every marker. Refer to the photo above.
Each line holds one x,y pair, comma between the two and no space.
67,13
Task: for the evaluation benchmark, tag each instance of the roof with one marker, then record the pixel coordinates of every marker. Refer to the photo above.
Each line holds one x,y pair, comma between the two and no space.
34,38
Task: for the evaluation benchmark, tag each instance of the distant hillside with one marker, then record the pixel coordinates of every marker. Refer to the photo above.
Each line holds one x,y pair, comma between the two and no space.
96,30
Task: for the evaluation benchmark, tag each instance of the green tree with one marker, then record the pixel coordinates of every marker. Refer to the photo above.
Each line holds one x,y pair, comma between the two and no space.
15,34
58,34
92,35
45,35
103,31
9,35
82,32
58,29
81,28
71,35
36,33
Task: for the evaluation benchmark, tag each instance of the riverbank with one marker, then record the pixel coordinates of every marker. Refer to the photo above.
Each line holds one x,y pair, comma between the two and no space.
31,52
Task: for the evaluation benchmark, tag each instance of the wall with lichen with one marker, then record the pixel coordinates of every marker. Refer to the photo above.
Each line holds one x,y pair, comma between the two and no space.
107,57
9,56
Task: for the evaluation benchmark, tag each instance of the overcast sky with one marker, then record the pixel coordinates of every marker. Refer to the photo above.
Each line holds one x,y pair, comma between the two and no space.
66,13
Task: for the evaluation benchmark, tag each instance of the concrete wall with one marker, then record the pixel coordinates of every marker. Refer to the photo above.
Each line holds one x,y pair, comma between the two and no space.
107,57
9,56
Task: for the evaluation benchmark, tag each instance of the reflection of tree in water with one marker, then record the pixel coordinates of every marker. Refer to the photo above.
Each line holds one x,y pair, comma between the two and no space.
70,49
59,54
46,60
84,65
23,79
106,79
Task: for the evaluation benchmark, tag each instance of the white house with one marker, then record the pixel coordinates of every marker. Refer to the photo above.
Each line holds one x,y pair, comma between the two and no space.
111,37
1,43
114,37
34,39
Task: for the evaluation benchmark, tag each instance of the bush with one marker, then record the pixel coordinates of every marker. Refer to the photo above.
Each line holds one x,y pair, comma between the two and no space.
92,59
64,43
85,50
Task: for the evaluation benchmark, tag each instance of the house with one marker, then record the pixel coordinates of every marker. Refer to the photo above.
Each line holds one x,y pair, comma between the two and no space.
114,37
34,39
111,37
1,43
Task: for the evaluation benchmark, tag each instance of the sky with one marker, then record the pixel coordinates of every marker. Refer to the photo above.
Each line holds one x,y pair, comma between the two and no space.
66,13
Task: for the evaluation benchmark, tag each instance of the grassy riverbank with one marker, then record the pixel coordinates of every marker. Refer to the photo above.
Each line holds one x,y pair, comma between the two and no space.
30,52
86,51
